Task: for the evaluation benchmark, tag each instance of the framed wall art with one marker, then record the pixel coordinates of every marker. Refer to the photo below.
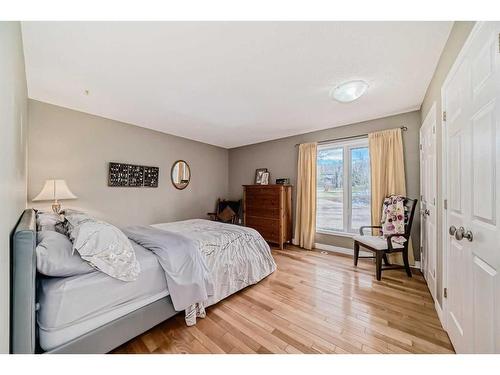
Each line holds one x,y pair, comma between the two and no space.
131,175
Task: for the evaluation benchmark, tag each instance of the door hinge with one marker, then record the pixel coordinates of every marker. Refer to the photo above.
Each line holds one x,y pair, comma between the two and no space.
498,42
445,204
420,146
444,115
445,293
433,130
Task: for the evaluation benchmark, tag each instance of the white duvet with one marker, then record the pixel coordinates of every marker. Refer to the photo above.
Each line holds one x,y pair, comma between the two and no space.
236,257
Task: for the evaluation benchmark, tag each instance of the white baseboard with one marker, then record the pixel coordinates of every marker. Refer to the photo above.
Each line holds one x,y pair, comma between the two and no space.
338,249
440,314
345,250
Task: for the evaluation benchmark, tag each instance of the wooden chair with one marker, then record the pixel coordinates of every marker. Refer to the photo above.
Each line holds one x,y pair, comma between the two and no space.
219,208
383,246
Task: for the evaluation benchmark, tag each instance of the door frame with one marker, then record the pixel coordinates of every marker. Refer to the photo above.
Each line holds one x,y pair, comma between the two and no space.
431,117
445,239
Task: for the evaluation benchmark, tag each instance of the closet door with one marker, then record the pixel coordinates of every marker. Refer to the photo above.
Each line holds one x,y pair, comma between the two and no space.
472,98
428,191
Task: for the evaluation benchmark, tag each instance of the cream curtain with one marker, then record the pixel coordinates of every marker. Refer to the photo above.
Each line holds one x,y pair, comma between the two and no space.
305,212
387,175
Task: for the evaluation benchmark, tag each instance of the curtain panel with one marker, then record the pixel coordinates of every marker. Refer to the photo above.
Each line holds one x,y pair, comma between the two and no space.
305,212
387,175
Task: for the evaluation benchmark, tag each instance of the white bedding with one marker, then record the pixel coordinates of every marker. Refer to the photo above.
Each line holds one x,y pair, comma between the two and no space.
72,306
236,257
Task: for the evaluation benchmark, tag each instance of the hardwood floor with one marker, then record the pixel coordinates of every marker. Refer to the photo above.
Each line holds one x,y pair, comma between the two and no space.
313,303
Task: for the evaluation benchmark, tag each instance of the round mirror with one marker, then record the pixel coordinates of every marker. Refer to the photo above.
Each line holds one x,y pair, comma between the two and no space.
180,174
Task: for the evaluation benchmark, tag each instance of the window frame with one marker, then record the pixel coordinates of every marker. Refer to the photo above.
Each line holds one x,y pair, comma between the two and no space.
347,147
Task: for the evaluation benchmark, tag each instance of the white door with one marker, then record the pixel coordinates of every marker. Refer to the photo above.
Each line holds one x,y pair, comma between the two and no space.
428,191
471,99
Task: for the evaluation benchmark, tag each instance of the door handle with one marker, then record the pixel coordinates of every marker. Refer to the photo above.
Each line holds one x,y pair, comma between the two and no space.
468,234
427,212
452,230
461,233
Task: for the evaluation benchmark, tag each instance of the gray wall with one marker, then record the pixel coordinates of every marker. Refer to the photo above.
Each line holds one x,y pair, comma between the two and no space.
280,157
77,147
456,40
13,130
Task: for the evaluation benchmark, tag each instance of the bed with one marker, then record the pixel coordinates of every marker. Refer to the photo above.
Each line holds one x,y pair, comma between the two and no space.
95,313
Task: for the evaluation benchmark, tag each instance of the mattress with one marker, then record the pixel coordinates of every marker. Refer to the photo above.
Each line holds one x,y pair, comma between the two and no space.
73,306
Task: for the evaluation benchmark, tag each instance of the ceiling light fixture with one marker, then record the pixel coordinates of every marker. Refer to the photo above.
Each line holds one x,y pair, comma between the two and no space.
349,91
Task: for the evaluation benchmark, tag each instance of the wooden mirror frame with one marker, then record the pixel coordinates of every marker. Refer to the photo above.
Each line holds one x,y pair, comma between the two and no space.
172,169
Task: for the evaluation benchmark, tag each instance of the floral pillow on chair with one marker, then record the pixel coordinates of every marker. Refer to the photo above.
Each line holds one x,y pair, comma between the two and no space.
393,217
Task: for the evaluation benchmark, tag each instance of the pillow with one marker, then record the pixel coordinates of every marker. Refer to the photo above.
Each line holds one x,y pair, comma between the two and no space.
71,219
47,221
227,214
55,256
76,217
106,248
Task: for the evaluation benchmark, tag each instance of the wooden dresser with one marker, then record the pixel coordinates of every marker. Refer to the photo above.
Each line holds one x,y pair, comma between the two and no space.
268,209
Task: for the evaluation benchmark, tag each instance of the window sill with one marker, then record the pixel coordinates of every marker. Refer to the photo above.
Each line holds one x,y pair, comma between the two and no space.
335,233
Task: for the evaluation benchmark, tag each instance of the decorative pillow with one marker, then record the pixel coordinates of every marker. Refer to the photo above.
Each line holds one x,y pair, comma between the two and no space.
227,214
47,221
106,248
55,256
76,217
393,217
73,218
62,228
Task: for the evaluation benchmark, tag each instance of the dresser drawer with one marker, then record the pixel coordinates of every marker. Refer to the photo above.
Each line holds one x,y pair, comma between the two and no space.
262,201
258,193
269,211
268,228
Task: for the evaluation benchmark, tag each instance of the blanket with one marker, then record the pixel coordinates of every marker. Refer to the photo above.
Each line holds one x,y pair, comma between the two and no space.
186,271
235,256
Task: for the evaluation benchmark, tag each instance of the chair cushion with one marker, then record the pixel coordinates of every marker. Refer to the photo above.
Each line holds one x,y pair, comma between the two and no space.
376,242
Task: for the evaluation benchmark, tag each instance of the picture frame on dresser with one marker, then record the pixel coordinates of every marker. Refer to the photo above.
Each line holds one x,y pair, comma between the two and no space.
259,173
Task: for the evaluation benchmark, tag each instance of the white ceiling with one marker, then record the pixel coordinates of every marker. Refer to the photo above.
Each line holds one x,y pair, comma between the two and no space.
231,83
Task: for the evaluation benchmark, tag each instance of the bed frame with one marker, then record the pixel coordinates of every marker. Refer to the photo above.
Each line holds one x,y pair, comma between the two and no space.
23,326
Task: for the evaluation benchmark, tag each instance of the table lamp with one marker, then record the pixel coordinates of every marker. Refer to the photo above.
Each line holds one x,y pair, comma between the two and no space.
55,190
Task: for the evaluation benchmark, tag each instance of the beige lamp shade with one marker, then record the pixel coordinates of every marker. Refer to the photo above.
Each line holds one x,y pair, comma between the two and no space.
55,190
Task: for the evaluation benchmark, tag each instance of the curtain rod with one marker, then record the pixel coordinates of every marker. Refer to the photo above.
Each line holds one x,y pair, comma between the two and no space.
403,128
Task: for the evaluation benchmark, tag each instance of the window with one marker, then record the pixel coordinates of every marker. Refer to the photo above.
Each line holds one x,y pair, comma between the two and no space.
343,186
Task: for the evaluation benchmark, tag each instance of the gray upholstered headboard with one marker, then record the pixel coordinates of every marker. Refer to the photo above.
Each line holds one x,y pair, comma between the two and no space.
23,285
